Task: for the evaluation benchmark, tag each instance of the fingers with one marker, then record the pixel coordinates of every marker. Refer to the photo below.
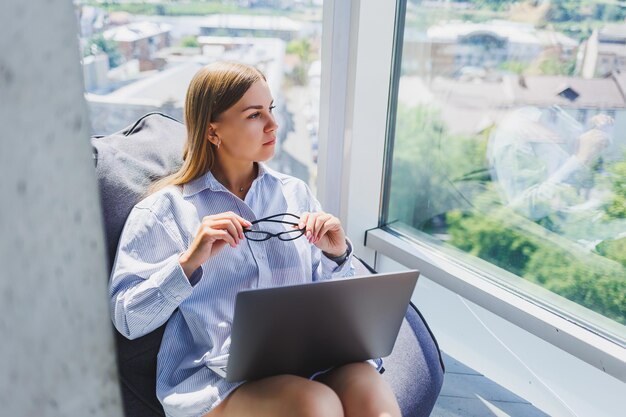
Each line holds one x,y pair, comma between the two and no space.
330,224
230,223
304,219
223,235
317,225
231,228
214,233
238,222
318,230
213,230
307,221
601,120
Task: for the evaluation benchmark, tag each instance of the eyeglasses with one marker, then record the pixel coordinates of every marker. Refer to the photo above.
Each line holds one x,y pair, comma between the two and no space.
261,235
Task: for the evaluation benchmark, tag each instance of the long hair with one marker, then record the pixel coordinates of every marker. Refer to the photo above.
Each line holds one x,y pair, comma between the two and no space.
213,90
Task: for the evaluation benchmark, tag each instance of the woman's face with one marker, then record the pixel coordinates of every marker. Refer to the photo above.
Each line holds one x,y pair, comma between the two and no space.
247,130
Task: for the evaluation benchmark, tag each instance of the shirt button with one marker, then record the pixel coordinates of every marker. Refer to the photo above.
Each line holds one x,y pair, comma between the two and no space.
177,298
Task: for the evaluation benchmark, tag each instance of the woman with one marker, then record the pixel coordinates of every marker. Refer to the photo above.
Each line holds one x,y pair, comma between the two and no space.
190,246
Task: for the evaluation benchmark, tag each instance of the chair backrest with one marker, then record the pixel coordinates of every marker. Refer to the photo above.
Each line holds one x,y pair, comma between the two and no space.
126,163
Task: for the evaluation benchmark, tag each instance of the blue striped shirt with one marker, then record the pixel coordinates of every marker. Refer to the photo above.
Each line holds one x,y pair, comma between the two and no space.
148,286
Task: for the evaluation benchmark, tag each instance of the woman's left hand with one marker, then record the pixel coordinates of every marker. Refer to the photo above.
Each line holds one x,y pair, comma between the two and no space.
325,232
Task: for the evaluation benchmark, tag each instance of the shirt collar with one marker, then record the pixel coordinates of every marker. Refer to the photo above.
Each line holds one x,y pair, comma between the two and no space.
208,181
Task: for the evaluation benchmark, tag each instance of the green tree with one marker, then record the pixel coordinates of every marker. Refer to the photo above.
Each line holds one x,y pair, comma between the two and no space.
440,184
490,240
617,207
564,11
601,287
98,44
428,167
579,276
302,49
493,4
613,12
160,10
613,249
189,42
552,65
515,67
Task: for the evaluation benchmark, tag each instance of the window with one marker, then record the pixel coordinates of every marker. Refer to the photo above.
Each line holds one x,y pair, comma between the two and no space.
140,56
501,168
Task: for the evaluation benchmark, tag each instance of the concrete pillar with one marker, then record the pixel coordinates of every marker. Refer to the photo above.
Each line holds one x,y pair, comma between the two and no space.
56,349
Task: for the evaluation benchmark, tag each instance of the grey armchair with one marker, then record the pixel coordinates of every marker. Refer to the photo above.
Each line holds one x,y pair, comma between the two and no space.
126,163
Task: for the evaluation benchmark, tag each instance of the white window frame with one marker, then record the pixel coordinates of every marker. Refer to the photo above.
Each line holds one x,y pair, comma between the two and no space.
356,83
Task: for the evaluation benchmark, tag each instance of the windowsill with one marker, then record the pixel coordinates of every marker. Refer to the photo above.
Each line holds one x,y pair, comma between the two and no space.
590,347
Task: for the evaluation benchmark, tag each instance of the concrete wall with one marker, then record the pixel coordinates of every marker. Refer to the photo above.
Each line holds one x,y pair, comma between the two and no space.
56,354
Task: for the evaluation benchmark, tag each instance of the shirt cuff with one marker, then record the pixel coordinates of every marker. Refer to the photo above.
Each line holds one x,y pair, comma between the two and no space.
344,269
173,282
341,258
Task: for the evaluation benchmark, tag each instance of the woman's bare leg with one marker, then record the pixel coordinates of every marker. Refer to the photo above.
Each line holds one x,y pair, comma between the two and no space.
280,396
362,391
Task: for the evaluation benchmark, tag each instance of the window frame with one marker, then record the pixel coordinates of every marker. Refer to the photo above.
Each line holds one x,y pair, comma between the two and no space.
362,157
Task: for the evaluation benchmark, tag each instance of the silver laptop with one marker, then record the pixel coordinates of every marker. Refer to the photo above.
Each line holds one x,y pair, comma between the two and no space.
306,328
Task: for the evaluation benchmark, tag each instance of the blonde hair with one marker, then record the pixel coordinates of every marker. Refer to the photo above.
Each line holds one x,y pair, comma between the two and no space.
213,90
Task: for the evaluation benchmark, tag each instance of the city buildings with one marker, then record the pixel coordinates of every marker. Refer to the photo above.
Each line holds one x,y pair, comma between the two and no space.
141,41
447,47
604,52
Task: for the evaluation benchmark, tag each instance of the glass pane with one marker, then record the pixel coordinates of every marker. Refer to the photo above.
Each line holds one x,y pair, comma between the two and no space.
138,57
510,144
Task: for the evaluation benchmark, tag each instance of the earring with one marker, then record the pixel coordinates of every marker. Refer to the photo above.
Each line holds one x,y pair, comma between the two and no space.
218,144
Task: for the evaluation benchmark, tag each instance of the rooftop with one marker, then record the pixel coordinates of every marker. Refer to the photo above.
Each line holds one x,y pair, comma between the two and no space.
169,87
234,21
543,90
514,32
135,31
618,49
612,33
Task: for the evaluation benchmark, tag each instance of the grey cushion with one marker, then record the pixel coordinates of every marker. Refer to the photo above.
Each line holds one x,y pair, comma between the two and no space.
415,368
126,163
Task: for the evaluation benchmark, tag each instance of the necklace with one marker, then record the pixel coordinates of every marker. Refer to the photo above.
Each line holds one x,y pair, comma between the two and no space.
243,187
248,184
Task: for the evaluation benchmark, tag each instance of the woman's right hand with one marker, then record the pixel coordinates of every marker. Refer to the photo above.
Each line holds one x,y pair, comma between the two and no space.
215,232
590,144
595,140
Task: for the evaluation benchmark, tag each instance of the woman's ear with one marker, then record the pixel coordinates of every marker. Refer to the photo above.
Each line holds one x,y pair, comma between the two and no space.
212,135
